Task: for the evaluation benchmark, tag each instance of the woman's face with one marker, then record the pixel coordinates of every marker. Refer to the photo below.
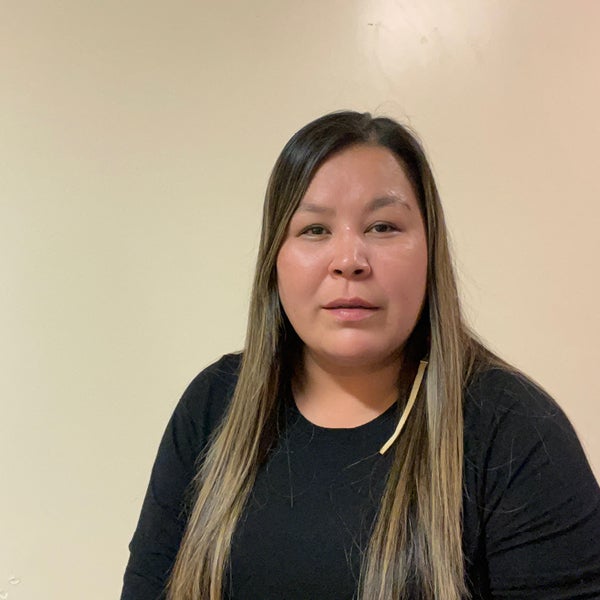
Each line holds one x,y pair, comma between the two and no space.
352,270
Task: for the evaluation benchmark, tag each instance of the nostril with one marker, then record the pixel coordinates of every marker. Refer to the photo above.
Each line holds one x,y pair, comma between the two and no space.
353,272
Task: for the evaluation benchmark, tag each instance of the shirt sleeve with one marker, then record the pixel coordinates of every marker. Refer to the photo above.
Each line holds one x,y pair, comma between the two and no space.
540,502
163,517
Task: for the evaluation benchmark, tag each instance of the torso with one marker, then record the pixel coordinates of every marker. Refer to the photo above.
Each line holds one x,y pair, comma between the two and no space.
309,518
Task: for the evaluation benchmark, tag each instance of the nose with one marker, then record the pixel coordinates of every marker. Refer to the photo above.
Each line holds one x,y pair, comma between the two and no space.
349,258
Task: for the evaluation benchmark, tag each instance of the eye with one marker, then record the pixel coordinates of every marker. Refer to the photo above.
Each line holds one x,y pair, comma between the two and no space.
382,228
314,231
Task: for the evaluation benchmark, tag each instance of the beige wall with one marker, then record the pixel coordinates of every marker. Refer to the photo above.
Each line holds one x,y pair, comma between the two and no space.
135,142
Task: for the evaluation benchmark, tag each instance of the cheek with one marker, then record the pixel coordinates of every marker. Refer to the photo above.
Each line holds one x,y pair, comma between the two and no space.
406,281
419,276
298,256
290,280
298,271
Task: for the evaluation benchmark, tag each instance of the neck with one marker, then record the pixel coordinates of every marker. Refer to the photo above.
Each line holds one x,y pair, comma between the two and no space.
332,396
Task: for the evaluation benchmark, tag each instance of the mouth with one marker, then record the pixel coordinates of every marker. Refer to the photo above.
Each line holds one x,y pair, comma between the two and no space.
349,304
351,311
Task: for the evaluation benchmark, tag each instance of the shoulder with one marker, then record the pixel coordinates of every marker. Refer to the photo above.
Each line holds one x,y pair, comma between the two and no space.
506,407
217,381
209,393
520,449
498,390
205,402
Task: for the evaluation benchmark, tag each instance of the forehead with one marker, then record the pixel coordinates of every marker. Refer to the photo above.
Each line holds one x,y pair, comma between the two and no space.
360,172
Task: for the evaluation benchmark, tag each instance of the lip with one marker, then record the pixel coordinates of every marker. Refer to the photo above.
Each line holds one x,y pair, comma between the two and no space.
350,303
350,309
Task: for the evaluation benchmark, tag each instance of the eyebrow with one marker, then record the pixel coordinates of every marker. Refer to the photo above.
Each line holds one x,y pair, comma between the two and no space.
372,206
313,208
387,201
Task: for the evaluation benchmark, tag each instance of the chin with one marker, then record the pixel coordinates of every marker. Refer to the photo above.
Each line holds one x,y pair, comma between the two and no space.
360,358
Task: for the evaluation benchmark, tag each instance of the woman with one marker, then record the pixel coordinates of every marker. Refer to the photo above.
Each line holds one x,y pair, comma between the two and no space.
365,445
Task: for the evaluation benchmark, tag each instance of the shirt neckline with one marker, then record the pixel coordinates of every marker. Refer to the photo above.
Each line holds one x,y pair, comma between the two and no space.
372,426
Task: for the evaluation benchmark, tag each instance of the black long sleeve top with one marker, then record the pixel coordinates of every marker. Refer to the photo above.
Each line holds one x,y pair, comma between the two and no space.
531,505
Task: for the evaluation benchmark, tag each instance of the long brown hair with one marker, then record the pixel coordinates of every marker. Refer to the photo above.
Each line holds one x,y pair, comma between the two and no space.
415,550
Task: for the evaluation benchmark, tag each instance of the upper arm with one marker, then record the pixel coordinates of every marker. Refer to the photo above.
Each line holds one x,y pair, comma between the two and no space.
163,517
160,527
540,514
